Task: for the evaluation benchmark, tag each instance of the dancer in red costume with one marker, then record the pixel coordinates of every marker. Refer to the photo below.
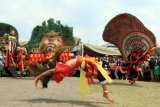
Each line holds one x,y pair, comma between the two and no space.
133,62
86,63
134,41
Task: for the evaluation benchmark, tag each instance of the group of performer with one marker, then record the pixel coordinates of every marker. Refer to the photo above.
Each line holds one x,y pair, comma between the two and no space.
89,68
141,44
131,66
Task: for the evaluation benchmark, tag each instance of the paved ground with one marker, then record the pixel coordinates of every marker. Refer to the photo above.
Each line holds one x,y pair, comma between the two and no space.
22,93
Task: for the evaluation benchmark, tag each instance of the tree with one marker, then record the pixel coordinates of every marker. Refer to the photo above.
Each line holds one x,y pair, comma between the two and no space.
7,28
156,52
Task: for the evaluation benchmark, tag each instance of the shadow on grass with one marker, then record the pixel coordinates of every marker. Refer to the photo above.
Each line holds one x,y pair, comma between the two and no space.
27,78
121,83
75,102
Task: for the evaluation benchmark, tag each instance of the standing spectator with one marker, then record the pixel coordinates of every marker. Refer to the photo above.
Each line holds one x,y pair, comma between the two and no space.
2,61
118,61
158,63
107,61
1,66
113,69
145,69
151,67
104,62
156,72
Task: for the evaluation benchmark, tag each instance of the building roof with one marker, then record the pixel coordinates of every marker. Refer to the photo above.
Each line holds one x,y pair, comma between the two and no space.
94,50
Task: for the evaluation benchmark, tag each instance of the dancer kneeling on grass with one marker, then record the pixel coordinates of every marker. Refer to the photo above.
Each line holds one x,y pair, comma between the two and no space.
88,68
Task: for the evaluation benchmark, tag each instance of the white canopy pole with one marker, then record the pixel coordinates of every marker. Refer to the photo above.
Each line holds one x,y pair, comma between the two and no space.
82,49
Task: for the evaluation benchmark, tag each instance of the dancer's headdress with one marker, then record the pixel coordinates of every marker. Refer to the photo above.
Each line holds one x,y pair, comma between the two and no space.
128,34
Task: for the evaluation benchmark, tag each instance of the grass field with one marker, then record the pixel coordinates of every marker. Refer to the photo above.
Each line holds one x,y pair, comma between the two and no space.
22,93
143,94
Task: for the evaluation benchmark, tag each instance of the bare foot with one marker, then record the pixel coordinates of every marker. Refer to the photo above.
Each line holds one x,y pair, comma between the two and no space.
108,96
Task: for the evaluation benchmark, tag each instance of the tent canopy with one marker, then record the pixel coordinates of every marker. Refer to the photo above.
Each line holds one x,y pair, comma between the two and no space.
93,50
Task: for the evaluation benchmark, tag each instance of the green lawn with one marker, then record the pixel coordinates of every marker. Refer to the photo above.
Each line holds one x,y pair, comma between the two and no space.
143,94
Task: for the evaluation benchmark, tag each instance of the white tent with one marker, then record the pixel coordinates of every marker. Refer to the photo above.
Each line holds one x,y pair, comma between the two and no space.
94,50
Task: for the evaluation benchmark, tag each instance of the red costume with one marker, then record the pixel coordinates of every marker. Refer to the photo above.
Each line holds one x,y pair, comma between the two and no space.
62,70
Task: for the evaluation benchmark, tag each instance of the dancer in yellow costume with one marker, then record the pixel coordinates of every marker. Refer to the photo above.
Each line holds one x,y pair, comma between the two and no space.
88,68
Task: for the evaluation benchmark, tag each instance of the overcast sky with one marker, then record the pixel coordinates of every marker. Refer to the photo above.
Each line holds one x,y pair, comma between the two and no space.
87,17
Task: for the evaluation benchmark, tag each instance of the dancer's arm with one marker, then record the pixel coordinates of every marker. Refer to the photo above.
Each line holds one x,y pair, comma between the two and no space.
44,74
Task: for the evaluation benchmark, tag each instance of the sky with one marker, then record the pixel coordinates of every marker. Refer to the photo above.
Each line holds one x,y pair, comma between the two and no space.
87,17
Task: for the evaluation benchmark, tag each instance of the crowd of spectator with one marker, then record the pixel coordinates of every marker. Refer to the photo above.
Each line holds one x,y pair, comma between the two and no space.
150,69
